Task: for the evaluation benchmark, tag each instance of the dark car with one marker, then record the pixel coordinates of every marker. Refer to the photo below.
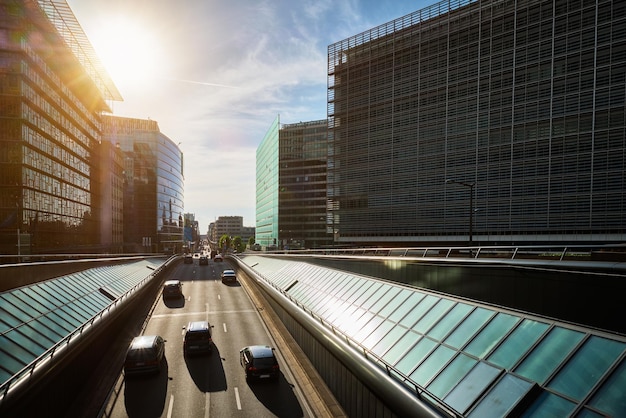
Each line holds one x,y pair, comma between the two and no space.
145,355
229,276
172,289
203,260
198,338
259,362
188,259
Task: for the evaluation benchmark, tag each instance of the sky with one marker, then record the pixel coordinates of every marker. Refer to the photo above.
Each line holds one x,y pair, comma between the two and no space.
215,74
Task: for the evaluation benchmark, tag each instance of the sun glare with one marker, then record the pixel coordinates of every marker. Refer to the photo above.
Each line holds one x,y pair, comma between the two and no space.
129,52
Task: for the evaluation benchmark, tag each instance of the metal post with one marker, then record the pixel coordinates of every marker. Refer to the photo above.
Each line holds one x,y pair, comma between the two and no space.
471,205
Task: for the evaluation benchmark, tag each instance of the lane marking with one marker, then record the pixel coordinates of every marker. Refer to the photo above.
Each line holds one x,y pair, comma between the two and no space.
237,398
225,330
200,313
170,407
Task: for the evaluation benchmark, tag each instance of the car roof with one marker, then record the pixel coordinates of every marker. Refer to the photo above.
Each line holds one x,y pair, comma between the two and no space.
261,350
172,283
228,272
198,326
143,341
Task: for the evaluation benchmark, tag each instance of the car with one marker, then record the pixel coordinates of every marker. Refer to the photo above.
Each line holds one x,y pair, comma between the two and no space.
197,338
172,289
218,257
188,259
144,355
203,260
229,276
259,362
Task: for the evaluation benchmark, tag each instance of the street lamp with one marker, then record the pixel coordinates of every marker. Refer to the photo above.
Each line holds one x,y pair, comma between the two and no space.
471,203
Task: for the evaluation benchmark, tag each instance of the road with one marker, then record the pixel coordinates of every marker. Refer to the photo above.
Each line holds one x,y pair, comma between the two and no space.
211,385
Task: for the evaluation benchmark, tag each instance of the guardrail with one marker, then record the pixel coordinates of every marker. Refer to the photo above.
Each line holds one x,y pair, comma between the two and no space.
30,369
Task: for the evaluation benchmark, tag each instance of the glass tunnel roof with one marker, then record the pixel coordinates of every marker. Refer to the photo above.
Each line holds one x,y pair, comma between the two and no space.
479,360
36,317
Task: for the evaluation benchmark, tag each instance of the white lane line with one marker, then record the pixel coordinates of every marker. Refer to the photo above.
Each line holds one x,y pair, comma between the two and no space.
225,330
207,404
219,297
170,407
237,398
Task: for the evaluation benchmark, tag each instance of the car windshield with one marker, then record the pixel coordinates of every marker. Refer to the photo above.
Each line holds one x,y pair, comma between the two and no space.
140,354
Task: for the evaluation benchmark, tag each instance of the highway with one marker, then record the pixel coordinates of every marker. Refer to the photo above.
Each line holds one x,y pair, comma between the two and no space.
210,385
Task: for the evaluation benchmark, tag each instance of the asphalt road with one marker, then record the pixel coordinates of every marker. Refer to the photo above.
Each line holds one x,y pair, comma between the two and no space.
212,385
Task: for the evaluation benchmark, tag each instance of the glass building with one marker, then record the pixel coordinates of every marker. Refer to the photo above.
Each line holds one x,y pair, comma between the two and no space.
497,121
154,185
266,233
52,92
302,155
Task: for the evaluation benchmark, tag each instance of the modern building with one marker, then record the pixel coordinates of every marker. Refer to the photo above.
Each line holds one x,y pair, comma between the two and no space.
267,188
481,121
154,185
112,181
302,156
52,91
231,226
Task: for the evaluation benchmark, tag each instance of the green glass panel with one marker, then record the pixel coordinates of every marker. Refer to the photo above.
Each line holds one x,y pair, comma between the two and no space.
431,366
375,297
549,354
415,312
549,405
472,386
516,344
449,321
491,335
378,334
470,325
388,296
501,399
611,397
415,355
389,339
433,315
407,306
586,367
451,375
397,301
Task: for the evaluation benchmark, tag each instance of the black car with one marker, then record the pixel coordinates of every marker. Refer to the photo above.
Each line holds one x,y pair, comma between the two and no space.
259,362
172,289
203,260
198,338
188,259
144,355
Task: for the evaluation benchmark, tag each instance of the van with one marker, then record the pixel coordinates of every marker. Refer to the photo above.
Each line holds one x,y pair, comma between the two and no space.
198,338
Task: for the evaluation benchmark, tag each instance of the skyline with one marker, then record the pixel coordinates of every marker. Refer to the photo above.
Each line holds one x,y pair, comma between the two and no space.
214,76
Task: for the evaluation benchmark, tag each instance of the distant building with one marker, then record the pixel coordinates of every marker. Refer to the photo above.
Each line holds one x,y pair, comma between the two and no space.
505,120
267,187
53,90
231,226
303,161
154,185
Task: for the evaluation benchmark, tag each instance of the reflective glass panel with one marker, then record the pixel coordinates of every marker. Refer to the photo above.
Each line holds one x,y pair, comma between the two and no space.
449,321
415,312
395,302
378,334
433,315
415,355
549,354
451,375
390,339
431,366
491,335
407,306
475,382
469,327
387,297
611,397
517,343
587,365
502,397
549,405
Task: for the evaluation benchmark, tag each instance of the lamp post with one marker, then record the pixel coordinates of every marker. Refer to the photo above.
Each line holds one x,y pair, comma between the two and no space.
471,204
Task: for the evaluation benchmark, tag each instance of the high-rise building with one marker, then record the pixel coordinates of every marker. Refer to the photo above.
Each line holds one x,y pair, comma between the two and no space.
52,92
266,232
154,184
493,121
302,157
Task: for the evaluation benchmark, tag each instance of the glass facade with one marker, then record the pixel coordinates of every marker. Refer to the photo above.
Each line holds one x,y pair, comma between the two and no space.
525,100
49,132
266,233
302,154
154,185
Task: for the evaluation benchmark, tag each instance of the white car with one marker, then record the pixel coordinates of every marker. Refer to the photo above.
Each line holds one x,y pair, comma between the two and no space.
229,276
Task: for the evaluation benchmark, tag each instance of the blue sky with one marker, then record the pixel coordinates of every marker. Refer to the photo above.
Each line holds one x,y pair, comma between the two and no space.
215,74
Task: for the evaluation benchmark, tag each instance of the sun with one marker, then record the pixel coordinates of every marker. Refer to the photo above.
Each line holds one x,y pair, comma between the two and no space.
128,51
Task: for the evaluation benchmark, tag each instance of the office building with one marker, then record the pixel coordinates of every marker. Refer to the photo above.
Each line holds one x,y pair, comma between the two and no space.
482,121
266,232
302,156
52,92
231,226
154,185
